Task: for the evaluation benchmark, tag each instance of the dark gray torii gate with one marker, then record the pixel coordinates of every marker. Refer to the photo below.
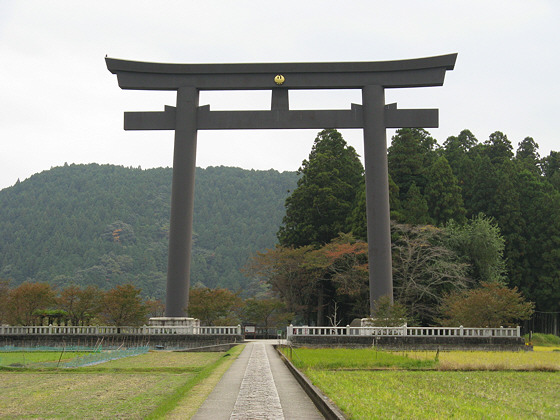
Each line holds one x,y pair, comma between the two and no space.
373,116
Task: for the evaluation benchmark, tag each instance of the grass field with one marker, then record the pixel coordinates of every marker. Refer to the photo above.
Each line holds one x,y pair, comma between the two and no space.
344,359
144,386
433,395
548,340
30,358
371,384
544,359
364,383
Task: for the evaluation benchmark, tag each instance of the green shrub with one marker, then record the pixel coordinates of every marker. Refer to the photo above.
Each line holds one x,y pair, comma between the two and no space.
543,339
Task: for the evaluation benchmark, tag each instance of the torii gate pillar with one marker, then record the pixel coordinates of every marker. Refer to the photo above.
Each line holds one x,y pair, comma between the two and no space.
373,116
377,195
182,204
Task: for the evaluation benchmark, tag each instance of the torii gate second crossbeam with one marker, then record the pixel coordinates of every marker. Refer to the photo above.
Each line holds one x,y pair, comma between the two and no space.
373,116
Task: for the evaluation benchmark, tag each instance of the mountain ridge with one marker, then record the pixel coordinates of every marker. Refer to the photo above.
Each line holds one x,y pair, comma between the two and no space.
107,225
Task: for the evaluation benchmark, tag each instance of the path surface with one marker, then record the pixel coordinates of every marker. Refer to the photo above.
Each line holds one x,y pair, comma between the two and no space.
258,386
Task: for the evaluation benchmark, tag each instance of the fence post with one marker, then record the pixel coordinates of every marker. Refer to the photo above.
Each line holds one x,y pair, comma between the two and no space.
519,331
461,330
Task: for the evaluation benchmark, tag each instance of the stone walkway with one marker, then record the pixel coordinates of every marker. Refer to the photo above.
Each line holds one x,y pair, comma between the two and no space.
258,386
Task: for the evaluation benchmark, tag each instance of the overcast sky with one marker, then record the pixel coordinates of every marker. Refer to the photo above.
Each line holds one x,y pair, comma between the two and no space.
59,103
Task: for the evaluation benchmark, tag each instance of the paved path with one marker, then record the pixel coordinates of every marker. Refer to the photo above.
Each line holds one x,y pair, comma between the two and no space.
258,386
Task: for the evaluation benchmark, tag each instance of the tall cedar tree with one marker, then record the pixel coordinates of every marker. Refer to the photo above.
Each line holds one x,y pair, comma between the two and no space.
415,207
321,205
443,193
412,150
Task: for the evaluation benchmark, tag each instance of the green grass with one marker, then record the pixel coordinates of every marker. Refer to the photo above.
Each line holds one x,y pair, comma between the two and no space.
345,359
370,384
160,361
172,400
429,395
539,339
84,395
129,388
31,358
494,360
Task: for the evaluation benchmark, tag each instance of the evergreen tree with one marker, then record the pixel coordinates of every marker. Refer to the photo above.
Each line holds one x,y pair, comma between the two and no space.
443,194
321,205
415,207
527,155
410,153
551,168
535,266
459,152
456,147
498,148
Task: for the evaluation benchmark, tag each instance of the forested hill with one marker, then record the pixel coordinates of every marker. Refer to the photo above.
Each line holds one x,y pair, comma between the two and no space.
106,225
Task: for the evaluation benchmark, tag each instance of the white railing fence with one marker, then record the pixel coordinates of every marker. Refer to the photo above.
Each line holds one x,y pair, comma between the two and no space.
290,331
404,331
110,330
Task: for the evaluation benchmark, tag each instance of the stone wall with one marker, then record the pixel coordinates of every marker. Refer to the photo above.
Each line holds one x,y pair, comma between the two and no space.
412,343
160,341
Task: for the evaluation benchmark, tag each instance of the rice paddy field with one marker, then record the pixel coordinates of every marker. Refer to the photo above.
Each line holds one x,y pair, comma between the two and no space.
150,385
372,384
364,383
441,395
541,359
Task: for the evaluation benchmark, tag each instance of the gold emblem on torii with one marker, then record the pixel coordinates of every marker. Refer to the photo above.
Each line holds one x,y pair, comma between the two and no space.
279,79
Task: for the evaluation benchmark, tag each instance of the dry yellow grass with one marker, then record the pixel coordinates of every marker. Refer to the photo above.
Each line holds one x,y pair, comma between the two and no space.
546,348
128,388
83,395
543,358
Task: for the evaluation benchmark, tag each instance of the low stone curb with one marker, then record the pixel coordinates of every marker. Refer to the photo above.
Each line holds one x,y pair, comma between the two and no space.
321,401
209,349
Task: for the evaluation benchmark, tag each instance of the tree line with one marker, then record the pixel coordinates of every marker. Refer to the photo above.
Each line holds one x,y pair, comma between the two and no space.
41,304
465,216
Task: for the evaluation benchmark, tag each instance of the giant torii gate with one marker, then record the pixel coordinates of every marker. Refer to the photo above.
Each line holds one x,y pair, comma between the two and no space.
373,116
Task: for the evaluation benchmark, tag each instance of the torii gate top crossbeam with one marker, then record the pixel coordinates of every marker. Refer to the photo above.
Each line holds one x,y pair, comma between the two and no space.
420,72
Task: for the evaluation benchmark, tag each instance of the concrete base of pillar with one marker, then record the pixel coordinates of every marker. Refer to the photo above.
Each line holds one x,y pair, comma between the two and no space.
171,321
